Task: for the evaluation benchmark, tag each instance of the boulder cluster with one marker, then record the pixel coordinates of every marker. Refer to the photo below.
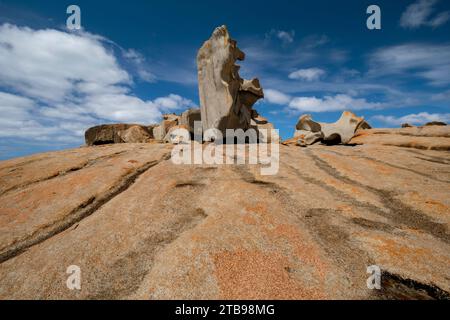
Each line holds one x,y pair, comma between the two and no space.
226,102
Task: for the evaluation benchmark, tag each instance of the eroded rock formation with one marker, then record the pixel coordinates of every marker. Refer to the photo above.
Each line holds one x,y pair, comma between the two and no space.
309,131
226,99
189,117
118,133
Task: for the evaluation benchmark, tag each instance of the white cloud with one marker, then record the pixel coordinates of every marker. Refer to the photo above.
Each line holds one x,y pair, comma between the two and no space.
311,74
420,14
61,83
338,102
46,64
286,37
415,119
429,61
276,97
172,102
140,65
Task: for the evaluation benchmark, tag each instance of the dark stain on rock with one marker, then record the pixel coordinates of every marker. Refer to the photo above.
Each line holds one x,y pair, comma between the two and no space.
395,287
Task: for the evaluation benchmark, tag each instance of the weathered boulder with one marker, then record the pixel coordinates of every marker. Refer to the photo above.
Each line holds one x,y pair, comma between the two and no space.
266,133
226,99
160,131
115,133
363,125
135,134
306,138
264,129
306,123
172,117
342,131
151,127
189,117
178,134
435,123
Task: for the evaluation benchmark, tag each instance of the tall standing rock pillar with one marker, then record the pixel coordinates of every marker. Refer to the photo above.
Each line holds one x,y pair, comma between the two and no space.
226,100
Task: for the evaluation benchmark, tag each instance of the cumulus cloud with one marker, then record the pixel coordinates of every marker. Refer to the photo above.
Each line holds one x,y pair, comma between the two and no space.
420,13
429,61
53,85
276,97
311,74
416,119
338,102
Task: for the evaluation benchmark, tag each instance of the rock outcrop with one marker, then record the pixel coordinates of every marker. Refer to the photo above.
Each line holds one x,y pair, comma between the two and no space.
309,132
139,226
427,138
189,117
226,99
435,123
169,121
117,133
264,128
178,134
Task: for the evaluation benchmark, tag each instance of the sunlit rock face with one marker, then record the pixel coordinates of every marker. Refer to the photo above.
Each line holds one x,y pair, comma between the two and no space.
226,99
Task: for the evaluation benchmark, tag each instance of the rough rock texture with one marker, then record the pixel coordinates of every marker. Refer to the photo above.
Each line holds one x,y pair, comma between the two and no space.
428,138
135,134
305,138
141,227
264,128
160,132
114,133
178,134
309,132
226,99
189,117
435,123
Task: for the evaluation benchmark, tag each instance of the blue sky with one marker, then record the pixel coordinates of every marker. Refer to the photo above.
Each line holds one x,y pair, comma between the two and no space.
133,62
